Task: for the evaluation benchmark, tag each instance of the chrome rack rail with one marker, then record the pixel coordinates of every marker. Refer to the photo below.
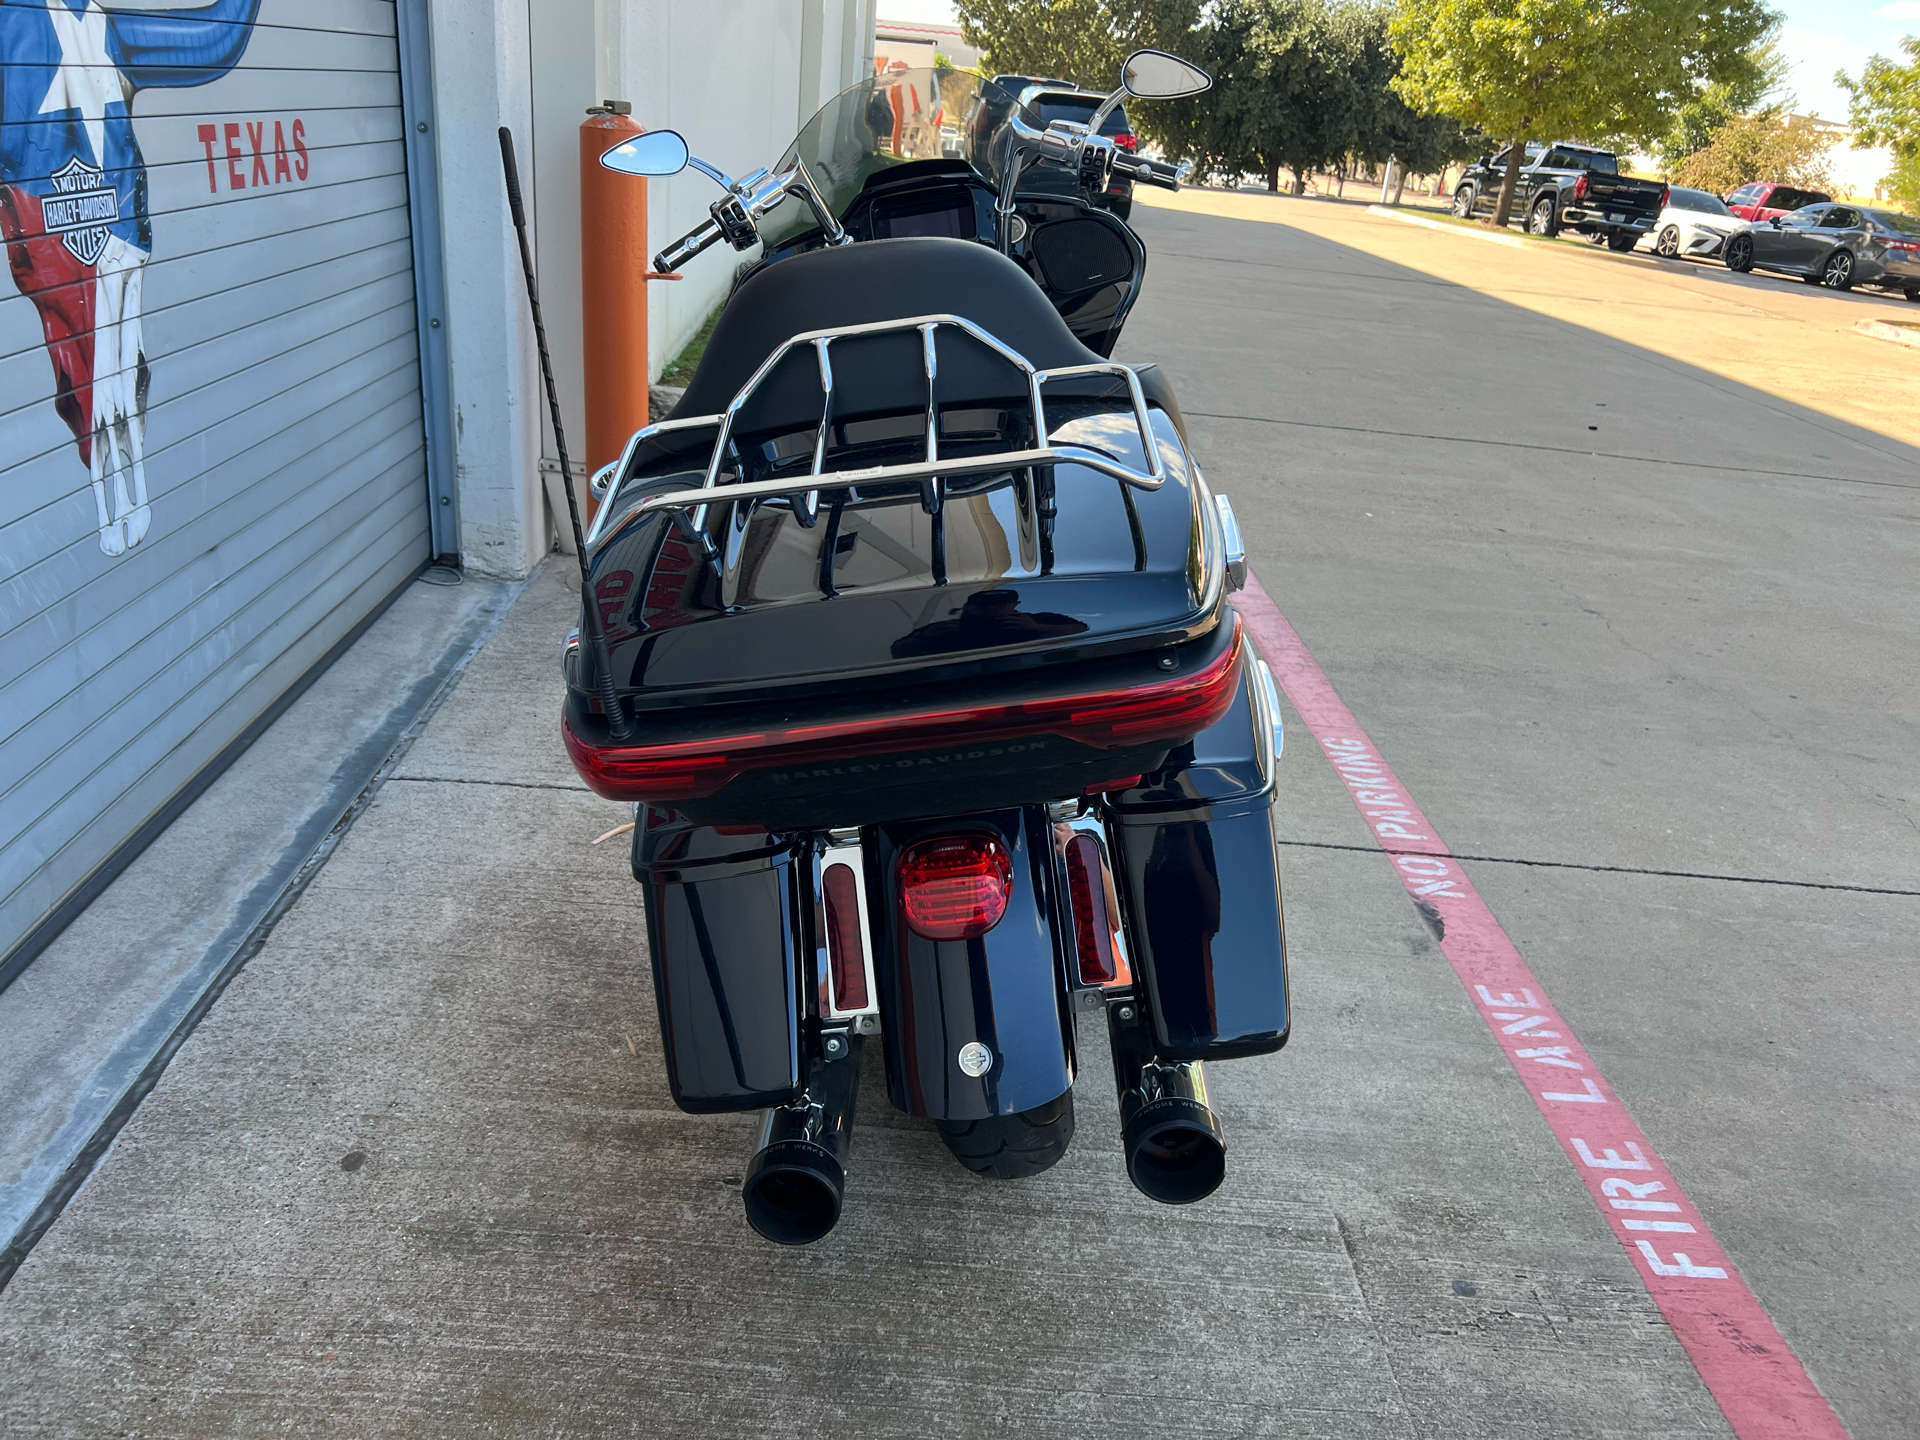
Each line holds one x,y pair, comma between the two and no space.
932,471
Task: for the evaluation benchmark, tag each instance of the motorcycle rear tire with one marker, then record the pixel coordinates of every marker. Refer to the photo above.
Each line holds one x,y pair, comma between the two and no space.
1012,1147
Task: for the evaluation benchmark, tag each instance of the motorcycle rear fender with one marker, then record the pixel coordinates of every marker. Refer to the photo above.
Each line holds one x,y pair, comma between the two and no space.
1004,989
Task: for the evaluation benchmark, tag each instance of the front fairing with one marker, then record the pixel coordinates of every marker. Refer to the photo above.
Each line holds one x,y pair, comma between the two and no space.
906,118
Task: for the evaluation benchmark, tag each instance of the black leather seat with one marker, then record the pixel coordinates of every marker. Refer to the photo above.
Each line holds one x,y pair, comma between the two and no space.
875,281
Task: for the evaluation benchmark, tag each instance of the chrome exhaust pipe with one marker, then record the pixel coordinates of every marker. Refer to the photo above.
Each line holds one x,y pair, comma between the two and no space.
798,1175
1176,1151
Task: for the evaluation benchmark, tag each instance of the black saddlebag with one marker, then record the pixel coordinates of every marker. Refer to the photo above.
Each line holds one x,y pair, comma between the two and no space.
1199,877
725,929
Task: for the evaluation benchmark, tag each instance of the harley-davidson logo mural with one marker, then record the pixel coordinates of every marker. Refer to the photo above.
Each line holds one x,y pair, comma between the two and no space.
73,208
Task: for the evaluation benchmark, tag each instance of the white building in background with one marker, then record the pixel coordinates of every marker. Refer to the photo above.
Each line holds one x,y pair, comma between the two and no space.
912,44
1855,172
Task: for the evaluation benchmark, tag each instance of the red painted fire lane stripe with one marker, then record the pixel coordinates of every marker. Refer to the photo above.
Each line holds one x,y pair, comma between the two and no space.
1750,1370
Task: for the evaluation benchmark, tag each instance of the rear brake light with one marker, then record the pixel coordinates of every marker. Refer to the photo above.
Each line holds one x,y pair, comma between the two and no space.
1173,709
846,952
1126,140
1087,893
1580,187
1664,196
954,887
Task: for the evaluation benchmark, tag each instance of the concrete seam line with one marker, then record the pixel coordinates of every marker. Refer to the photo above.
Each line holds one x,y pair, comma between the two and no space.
1749,1369
1614,869
1511,240
1733,470
61,1193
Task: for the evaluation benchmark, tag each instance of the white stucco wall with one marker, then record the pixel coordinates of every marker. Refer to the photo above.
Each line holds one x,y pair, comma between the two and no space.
736,77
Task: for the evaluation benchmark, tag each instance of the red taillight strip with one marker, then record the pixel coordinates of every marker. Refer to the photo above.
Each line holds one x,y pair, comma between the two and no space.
846,938
1086,896
1172,709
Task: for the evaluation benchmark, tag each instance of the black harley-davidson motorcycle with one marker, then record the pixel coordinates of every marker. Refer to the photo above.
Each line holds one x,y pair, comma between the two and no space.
910,642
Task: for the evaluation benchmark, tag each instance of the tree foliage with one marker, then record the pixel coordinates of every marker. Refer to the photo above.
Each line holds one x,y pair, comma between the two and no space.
1766,146
1571,69
1079,40
1299,85
1886,111
1697,122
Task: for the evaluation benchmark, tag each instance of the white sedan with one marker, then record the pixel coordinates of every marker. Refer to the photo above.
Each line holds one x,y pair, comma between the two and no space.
1694,223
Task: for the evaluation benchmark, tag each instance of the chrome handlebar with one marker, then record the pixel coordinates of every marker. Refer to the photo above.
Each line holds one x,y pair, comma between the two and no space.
737,214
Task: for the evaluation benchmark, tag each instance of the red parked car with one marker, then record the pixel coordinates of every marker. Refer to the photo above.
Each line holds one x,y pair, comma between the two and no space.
1763,200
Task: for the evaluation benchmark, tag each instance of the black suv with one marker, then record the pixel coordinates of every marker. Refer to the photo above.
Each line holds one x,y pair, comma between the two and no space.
1063,100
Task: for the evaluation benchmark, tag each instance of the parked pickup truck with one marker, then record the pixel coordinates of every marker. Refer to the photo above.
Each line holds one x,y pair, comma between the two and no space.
1566,187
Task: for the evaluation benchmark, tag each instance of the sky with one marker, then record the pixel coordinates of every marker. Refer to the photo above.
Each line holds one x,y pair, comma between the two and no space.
1818,36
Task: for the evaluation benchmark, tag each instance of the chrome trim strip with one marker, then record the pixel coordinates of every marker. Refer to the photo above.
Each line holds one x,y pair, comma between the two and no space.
1269,730
1235,547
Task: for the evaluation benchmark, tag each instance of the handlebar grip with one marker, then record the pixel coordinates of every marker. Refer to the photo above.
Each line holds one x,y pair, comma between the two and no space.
1157,172
687,246
1147,172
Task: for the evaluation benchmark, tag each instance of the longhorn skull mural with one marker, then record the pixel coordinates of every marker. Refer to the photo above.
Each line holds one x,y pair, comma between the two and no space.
73,208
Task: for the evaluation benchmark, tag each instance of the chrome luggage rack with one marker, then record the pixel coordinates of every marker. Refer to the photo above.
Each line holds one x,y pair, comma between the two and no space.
932,472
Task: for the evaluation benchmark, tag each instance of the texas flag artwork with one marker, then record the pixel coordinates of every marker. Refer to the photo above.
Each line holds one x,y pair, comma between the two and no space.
73,208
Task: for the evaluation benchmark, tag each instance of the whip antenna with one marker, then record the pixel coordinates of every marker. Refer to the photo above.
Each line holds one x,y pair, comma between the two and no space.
591,632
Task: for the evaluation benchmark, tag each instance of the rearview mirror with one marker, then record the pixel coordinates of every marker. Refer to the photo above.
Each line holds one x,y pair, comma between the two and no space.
656,153
1156,75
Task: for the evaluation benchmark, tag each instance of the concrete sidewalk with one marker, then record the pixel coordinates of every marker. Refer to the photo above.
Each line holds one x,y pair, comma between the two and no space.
410,1178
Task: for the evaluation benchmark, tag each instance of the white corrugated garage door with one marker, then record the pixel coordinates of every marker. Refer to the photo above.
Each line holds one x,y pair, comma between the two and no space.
211,451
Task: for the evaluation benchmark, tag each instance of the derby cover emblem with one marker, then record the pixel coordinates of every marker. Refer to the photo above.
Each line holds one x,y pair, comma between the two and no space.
79,209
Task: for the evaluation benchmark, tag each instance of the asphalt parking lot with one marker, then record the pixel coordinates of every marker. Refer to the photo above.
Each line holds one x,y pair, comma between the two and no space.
1630,617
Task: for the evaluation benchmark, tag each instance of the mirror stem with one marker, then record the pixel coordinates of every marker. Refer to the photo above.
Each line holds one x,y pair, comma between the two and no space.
1107,107
719,177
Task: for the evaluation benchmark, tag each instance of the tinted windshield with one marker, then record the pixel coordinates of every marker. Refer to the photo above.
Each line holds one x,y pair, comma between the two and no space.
1895,222
1696,200
886,121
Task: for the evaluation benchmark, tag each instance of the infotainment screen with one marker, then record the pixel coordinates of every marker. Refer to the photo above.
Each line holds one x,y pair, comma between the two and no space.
948,213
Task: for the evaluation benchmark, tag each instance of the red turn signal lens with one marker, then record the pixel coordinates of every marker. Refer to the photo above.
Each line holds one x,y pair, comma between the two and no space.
1087,892
955,887
1665,195
1580,187
1127,141
846,955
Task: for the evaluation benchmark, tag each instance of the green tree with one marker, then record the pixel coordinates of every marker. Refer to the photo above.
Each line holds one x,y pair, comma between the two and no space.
1388,128
1283,95
1548,69
1767,146
1886,111
1697,122
1084,41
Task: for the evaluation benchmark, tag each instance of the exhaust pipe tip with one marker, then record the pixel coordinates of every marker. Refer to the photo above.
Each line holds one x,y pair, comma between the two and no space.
1176,1153
793,1192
